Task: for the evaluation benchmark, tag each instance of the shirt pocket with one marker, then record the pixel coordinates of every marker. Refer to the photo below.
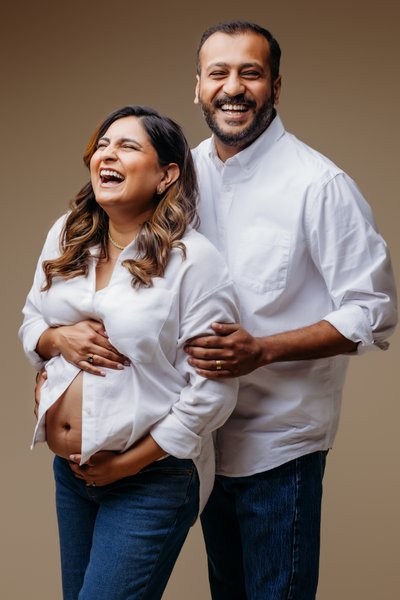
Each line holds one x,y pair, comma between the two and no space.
262,259
135,319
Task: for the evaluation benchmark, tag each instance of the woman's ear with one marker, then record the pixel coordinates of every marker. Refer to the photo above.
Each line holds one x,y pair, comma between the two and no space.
171,174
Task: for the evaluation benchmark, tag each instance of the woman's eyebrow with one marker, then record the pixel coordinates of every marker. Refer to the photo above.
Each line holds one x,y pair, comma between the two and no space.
121,141
132,140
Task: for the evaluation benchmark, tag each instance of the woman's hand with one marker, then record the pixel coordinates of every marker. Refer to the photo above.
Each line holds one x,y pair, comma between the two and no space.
105,467
102,468
84,344
40,379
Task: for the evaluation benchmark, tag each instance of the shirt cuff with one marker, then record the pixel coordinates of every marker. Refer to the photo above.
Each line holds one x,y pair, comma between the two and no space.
350,320
30,342
176,439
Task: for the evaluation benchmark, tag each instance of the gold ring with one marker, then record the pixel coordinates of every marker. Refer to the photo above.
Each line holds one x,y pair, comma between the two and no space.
90,359
218,365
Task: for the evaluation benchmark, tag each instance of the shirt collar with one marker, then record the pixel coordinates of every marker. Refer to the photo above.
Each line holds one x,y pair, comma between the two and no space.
248,158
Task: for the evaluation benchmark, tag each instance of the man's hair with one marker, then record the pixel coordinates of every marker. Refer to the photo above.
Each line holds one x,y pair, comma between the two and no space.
238,27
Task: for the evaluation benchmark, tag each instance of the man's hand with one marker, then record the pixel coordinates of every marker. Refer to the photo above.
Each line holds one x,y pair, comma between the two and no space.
40,379
230,353
84,344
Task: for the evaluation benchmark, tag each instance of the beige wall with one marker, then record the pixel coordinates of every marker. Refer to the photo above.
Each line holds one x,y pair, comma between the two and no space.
63,69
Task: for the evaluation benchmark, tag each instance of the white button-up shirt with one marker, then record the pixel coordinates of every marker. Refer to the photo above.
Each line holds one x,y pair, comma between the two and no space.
301,244
159,393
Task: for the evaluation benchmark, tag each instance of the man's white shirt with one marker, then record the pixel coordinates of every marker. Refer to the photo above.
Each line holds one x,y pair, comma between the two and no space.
301,245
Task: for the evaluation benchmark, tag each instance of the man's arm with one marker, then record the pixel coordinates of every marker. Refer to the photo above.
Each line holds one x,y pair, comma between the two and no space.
233,352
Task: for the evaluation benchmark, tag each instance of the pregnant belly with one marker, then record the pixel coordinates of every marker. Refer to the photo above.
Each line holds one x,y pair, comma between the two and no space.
64,421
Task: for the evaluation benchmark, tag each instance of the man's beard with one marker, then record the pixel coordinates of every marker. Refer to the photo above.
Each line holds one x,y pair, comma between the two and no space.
244,137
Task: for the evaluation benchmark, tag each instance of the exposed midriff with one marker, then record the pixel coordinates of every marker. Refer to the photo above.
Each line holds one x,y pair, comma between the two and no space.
64,421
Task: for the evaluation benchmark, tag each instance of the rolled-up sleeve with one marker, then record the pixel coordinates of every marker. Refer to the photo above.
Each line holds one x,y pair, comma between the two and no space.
354,260
204,404
34,324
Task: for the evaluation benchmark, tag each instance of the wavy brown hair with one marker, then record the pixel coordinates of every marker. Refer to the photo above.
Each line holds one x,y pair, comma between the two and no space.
87,223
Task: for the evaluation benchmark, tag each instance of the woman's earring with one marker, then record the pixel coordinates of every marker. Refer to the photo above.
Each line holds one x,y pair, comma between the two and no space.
160,189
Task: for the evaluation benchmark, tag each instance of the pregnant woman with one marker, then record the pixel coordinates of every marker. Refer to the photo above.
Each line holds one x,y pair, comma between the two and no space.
126,261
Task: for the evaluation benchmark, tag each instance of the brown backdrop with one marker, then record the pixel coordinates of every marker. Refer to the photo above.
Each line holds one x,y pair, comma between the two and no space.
64,66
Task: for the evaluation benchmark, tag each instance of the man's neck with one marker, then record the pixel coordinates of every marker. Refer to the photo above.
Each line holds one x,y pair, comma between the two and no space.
226,151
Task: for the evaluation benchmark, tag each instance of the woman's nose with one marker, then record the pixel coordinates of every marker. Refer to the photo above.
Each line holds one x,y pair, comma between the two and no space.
109,153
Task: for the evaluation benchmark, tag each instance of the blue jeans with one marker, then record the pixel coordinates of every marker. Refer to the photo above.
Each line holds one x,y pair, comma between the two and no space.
121,541
262,532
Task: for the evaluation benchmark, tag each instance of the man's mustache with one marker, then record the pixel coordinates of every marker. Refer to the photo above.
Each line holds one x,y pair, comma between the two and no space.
239,99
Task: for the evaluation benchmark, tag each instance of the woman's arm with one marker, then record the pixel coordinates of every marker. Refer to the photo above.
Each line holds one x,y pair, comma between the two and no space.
106,467
75,342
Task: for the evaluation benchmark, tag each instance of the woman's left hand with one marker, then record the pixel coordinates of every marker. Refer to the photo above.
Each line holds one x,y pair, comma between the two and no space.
105,467
102,468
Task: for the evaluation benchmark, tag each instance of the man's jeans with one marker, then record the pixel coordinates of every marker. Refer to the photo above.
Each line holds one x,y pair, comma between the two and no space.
262,532
120,541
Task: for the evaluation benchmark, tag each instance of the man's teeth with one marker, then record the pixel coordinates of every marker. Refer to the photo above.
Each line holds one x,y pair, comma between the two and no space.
110,173
234,107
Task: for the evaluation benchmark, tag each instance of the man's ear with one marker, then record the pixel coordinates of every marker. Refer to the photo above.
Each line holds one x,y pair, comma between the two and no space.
277,86
197,90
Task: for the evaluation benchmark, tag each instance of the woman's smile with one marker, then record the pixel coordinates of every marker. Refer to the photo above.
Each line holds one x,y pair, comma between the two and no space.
110,177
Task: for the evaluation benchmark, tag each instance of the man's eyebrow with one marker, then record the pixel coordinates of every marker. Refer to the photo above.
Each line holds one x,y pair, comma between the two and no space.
241,66
251,65
217,64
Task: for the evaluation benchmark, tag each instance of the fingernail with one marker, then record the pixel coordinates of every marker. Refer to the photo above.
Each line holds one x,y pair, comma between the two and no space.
120,367
127,363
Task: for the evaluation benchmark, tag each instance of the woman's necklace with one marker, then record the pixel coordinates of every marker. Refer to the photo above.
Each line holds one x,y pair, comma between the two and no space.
114,243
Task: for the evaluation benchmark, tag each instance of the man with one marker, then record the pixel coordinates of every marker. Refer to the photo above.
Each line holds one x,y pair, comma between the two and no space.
315,285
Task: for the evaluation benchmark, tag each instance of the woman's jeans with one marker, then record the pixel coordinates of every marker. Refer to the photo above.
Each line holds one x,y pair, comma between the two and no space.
262,532
121,541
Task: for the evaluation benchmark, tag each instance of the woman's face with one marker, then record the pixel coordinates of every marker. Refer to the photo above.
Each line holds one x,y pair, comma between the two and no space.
124,169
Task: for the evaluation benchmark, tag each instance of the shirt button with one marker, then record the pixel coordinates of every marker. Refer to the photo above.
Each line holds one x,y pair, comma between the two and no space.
228,188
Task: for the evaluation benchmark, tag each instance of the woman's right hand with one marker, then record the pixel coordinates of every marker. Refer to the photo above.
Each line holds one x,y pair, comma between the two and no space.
40,379
84,344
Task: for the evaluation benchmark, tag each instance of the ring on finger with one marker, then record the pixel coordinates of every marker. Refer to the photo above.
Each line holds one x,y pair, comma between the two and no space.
90,359
218,365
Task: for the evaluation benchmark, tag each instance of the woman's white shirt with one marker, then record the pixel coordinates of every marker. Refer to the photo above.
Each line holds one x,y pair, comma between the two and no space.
159,393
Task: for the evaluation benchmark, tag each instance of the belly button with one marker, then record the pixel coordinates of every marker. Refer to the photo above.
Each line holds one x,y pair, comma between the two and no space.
66,426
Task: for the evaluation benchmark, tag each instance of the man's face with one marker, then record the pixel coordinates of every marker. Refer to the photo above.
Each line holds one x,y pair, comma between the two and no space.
234,87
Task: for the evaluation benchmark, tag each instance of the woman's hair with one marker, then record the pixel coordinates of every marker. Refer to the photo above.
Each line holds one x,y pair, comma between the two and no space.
87,223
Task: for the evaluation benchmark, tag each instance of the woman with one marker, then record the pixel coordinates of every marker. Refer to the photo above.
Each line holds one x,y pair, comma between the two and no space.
126,258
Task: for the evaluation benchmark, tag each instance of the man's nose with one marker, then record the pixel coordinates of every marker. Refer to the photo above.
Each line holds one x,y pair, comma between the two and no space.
234,85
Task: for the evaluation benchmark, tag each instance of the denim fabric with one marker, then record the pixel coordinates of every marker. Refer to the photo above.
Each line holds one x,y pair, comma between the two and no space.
262,532
121,541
